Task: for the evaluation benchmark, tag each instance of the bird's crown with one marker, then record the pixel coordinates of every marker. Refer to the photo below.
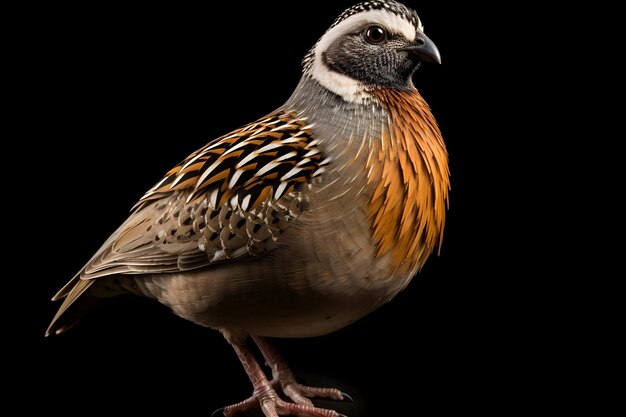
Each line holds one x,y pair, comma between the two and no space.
392,7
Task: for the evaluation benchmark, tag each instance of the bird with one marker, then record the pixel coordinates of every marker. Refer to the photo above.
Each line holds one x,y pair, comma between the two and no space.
296,224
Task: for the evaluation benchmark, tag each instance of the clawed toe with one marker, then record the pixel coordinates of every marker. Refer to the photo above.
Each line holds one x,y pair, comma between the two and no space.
273,406
265,396
218,413
346,397
301,393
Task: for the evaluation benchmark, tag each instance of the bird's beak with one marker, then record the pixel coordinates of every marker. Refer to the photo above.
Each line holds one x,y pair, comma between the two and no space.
424,49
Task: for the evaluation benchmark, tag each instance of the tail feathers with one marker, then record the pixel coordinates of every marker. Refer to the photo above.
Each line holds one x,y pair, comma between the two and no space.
67,288
73,307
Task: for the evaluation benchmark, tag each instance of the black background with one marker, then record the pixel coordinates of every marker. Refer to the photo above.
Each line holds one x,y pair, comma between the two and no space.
121,95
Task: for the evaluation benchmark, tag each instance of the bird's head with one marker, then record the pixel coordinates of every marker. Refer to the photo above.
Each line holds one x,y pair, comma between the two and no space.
374,44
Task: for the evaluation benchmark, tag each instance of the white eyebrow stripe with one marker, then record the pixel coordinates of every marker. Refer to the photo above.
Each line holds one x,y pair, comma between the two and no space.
390,21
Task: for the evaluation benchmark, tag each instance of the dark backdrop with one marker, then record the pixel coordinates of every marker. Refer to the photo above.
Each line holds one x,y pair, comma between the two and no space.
121,95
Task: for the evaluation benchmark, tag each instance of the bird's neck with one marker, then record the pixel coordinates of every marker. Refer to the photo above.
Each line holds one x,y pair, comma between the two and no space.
396,146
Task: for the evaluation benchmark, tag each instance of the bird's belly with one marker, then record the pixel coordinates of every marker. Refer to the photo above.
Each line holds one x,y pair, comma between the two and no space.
324,275
268,301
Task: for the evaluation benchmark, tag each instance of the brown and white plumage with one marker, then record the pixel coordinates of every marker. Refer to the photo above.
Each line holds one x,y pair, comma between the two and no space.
301,222
228,200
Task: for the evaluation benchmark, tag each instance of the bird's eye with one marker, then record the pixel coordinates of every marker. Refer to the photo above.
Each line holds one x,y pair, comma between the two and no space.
375,35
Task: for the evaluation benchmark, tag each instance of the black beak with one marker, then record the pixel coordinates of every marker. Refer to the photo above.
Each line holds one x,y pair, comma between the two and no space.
424,49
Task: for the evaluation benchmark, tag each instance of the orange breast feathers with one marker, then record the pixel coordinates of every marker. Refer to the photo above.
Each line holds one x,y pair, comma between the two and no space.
408,171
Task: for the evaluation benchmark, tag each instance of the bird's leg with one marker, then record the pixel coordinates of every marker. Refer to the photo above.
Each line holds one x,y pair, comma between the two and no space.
265,396
282,375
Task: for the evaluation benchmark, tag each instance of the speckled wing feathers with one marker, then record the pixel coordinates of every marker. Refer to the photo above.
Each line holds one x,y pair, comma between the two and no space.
274,154
230,199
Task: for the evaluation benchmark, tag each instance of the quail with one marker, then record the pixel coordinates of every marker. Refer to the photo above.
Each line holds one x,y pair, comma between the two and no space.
299,223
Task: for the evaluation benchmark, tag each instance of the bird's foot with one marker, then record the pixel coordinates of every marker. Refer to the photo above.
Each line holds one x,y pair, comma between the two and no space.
264,394
273,406
299,393
283,377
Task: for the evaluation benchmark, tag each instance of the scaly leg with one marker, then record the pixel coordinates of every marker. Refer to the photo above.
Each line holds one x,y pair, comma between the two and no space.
265,396
282,375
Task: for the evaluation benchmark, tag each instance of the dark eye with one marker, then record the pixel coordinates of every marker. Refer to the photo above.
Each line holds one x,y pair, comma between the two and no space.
375,35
